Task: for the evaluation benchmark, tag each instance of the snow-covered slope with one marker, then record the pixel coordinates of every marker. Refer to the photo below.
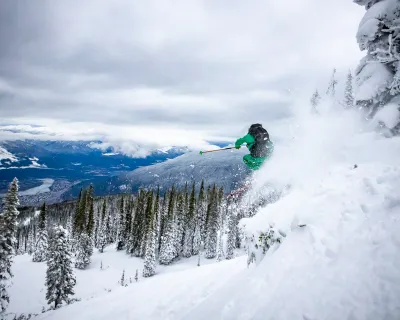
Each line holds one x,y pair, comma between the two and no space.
163,296
343,181
345,263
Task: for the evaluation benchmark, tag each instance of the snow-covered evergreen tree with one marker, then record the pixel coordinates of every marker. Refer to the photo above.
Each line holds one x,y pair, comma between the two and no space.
331,91
377,77
220,250
30,245
102,242
198,259
157,214
196,239
122,282
163,219
84,251
348,93
232,232
90,206
41,247
104,228
212,225
121,236
80,214
149,268
168,248
201,211
179,223
137,275
190,225
315,99
8,228
60,279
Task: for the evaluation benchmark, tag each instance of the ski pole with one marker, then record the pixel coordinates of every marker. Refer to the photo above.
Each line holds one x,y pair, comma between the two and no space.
201,152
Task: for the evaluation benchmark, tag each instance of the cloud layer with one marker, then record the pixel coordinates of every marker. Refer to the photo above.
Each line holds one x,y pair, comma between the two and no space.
164,72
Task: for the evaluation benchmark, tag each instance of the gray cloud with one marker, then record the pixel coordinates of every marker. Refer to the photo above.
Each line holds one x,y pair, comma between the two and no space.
198,65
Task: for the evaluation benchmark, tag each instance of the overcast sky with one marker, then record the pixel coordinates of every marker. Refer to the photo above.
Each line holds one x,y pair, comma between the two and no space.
164,72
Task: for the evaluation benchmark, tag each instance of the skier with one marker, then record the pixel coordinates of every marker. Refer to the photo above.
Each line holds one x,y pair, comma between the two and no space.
259,145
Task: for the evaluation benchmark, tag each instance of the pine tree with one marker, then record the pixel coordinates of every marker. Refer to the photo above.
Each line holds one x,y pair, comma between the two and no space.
163,220
196,239
8,228
107,219
79,220
348,94
198,260
128,218
331,91
202,211
232,225
315,99
168,248
157,215
121,226
190,225
41,247
60,279
122,282
84,251
179,229
30,242
220,251
146,223
212,227
90,205
103,237
150,257
69,225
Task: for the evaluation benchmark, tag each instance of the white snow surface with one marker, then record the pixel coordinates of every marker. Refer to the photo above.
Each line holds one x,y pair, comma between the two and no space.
343,265
171,292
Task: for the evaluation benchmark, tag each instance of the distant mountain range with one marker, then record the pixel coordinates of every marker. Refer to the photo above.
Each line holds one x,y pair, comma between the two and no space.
66,163
225,169
53,171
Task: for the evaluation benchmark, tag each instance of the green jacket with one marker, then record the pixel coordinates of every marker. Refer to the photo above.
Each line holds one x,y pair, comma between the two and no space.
248,138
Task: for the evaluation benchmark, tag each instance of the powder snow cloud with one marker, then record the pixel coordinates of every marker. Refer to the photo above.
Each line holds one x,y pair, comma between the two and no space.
155,72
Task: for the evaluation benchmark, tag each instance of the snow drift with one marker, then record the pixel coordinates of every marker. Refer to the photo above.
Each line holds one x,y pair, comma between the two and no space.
342,181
